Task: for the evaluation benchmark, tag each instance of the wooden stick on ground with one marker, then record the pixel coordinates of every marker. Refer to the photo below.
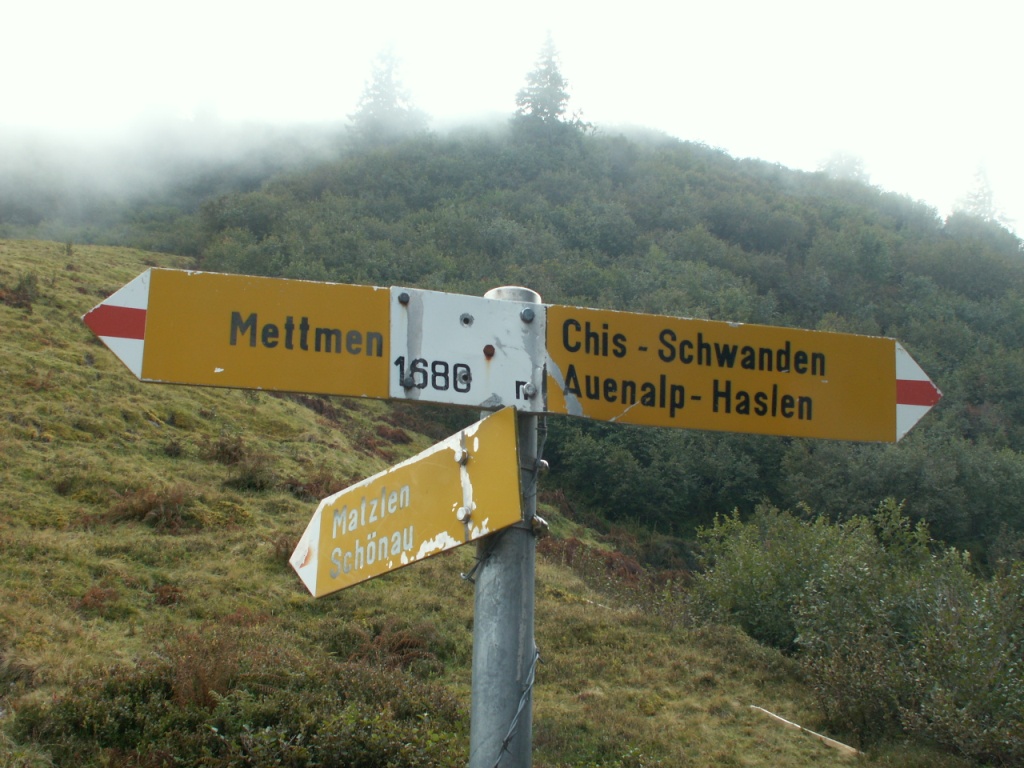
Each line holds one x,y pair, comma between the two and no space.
844,748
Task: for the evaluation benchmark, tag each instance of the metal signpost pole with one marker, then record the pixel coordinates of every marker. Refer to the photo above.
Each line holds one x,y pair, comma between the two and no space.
504,652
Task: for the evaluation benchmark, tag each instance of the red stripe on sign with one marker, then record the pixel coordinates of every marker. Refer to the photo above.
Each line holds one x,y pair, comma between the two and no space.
119,322
910,392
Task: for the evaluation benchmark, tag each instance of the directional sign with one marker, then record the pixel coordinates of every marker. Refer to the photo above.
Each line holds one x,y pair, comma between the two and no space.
211,329
486,353
731,377
455,492
249,332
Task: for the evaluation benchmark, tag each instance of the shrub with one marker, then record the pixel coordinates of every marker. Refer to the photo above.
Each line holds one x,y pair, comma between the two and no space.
254,472
893,632
319,484
756,571
392,434
167,594
174,449
101,601
393,643
226,449
166,508
23,294
966,670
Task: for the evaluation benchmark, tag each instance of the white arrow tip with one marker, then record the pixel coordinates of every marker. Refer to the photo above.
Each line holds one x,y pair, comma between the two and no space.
304,558
915,392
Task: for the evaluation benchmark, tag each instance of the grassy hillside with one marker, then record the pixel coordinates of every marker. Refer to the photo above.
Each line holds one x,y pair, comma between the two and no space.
148,611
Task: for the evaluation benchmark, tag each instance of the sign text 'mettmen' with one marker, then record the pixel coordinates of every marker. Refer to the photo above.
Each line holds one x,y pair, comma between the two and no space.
304,336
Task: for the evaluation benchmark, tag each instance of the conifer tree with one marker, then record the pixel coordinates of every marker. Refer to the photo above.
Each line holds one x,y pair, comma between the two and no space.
979,201
386,112
546,96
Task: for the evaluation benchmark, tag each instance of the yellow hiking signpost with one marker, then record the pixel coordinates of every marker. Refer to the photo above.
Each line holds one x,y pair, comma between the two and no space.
295,336
455,492
489,353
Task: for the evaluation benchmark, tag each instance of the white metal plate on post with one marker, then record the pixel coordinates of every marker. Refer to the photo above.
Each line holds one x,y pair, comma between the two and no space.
466,350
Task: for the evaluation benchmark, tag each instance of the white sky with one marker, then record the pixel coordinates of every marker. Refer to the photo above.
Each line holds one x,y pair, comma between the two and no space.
925,92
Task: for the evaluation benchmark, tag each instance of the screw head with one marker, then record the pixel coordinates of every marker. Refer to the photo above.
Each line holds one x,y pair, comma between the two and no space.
462,515
527,314
403,298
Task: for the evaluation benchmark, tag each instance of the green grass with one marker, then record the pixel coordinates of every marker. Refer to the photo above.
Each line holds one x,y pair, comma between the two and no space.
143,523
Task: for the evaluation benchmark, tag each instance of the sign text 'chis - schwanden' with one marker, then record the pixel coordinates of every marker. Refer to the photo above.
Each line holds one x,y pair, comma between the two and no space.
699,350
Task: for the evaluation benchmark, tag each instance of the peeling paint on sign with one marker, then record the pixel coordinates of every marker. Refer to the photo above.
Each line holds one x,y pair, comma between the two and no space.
457,491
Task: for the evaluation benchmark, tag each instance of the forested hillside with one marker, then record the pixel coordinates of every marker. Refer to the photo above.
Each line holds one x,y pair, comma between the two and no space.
654,224
633,222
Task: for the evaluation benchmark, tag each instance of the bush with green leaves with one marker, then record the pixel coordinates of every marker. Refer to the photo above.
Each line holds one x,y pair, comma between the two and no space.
968,670
858,615
756,569
894,631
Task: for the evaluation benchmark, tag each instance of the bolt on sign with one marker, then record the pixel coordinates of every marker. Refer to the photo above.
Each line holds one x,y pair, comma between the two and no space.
457,491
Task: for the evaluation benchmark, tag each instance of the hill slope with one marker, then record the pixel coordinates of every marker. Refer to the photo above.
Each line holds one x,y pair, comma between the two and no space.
656,225
651,224
148,610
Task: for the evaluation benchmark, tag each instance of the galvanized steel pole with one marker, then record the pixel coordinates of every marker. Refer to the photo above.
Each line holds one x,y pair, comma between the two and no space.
504,651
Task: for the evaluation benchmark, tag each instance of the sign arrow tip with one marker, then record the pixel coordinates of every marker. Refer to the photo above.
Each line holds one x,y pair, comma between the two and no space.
120,322
916,394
